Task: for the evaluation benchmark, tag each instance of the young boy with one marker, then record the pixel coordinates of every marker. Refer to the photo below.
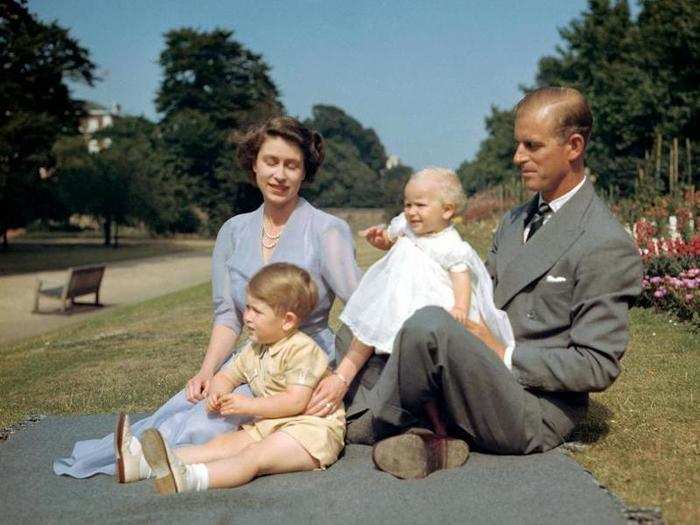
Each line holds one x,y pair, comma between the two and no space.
282,366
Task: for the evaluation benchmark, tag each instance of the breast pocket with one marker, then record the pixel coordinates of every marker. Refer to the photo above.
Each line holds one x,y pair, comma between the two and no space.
553,305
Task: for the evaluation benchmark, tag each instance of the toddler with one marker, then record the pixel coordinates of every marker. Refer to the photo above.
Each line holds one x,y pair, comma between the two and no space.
428,264
282,366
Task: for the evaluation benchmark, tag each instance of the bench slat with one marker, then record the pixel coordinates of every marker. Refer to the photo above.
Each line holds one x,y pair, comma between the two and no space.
82,280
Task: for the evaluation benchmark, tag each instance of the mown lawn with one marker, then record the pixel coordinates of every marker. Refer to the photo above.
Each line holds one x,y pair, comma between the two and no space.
641,434
37,255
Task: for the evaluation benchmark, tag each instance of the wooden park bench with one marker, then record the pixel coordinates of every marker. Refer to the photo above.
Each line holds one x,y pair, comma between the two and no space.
82,280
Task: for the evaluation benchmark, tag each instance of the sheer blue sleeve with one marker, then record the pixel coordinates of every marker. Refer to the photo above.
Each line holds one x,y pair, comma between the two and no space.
338,265
224,309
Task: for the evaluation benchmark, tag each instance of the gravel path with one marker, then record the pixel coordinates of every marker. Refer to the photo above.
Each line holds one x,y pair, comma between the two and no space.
124,282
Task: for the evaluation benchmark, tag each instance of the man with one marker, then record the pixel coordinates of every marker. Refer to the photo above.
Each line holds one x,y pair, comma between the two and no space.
565,272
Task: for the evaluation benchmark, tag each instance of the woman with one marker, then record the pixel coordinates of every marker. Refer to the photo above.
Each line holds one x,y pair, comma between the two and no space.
279,155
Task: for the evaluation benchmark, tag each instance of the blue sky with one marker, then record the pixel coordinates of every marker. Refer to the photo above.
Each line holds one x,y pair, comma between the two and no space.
423,74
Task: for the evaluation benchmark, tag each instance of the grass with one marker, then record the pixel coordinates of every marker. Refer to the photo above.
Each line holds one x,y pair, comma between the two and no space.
36,255
641,433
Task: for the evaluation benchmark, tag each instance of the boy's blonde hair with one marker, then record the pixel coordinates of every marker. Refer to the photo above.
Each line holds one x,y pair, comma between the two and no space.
285,287
449,187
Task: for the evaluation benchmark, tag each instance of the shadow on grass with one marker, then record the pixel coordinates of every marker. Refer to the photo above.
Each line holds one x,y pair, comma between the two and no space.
76,308
37,256
595,426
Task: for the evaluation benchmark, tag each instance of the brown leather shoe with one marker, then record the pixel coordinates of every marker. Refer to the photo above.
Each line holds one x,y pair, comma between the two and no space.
418,453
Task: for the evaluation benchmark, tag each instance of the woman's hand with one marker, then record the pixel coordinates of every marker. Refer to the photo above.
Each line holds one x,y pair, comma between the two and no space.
327,396
198,387
377,236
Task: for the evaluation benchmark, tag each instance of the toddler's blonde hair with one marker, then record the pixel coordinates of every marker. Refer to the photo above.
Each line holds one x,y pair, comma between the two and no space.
285,287
450,189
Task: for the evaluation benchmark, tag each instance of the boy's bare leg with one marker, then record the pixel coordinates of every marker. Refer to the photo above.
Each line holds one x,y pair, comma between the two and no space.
276,454
221,447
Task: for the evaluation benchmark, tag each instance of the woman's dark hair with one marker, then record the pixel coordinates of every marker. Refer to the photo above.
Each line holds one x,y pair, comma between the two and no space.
310,143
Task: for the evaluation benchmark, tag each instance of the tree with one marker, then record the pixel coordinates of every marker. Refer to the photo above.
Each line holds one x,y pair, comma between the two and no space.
355,158
122,184
36,107
394,181
212,86
493,164
601,59
640,78
344,180
670,33
213,74
333,123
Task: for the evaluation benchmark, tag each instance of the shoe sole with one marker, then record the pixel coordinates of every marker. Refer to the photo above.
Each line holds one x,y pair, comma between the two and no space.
156,454
407,456
118,443
402,456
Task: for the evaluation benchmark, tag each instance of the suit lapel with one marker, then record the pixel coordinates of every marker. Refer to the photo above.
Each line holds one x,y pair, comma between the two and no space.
527,262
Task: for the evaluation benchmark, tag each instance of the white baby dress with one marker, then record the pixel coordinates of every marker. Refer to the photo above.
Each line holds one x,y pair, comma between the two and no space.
414,274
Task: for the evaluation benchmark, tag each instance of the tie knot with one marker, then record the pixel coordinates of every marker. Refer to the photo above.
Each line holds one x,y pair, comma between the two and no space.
543,209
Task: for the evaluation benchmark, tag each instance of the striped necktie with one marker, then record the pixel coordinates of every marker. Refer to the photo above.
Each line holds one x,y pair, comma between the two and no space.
538,219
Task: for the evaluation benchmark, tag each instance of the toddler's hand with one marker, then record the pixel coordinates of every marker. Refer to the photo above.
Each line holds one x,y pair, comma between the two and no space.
214,402
377,236
460,314
230,404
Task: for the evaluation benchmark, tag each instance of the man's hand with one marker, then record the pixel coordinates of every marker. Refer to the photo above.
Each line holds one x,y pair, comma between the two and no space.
230,404
482,332
460,314
197,387
378,237
327,396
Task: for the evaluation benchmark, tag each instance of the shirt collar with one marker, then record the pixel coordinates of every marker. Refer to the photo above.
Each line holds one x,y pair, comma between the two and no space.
557,203
273,348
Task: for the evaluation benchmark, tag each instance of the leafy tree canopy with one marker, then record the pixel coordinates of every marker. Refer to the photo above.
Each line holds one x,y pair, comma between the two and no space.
639,76
212,86
333,123
213,74
35,104
122,184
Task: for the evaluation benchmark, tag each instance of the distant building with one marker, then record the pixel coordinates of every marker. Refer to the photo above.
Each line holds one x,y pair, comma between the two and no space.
96,119
392,161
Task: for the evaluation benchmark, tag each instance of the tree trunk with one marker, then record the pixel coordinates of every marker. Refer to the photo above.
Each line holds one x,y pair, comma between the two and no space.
4,240
116,235
107,228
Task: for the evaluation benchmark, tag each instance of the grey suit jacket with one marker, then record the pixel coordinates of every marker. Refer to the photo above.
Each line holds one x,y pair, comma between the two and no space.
567,292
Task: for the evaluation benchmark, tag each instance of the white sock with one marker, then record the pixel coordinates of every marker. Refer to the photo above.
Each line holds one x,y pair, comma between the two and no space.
197,477
135,449
145,470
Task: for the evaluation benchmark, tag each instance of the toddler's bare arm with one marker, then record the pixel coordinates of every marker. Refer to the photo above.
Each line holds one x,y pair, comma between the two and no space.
461,286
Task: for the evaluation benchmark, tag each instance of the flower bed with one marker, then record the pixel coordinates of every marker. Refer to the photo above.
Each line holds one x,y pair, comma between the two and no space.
671,279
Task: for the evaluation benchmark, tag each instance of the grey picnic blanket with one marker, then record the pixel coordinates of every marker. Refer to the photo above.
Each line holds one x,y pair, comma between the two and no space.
537,489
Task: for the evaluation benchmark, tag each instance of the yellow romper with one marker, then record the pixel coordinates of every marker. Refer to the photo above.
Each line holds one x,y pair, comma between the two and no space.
269,369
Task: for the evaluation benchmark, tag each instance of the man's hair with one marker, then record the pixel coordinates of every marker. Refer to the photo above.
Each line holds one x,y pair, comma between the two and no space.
285,287
450,189
310,143
570,106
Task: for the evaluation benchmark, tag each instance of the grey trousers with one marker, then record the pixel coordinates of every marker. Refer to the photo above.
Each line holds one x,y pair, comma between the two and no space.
435,358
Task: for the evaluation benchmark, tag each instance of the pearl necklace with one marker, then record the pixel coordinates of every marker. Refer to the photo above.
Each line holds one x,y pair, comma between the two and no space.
272,239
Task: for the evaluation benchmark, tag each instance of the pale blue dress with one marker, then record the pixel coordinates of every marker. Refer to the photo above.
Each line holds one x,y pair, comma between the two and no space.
314,240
